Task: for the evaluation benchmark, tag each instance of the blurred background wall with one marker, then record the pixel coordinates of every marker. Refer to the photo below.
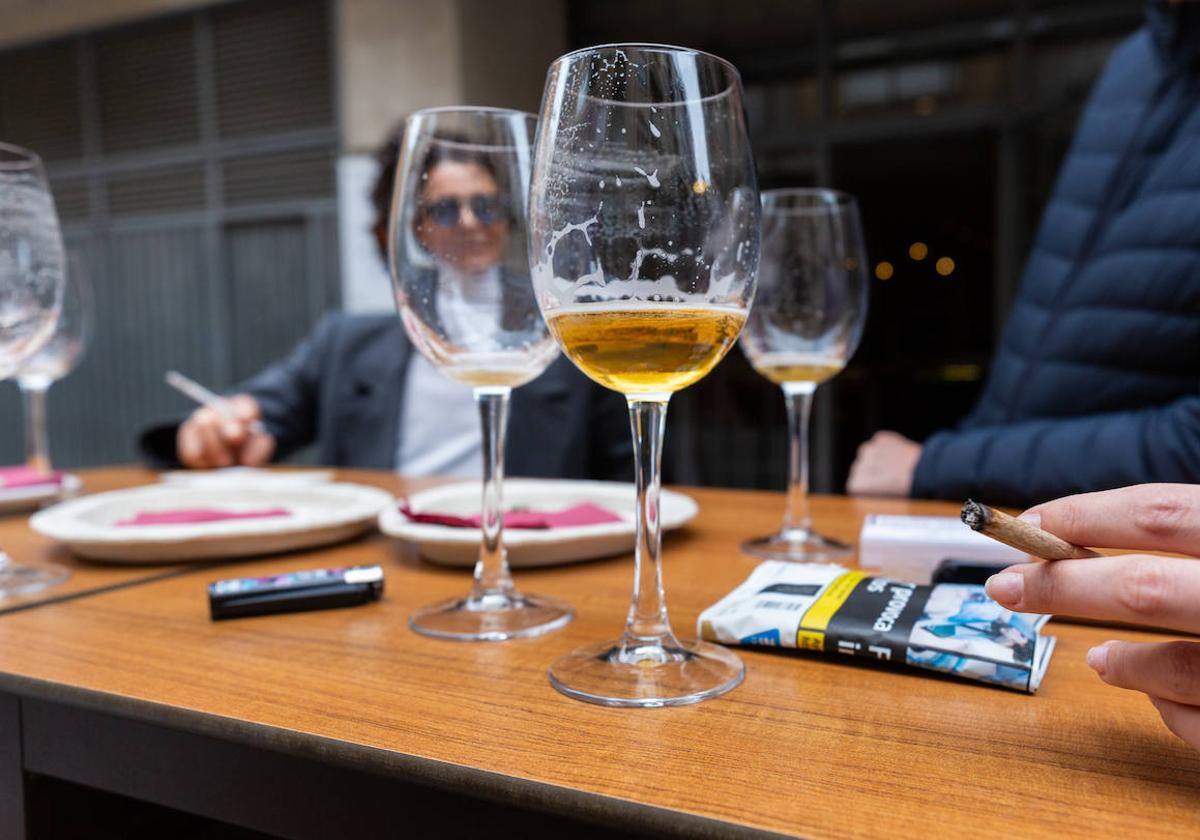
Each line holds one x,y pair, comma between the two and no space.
212,160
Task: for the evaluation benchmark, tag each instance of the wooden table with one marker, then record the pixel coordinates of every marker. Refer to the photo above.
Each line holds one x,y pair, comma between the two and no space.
344,722
27,548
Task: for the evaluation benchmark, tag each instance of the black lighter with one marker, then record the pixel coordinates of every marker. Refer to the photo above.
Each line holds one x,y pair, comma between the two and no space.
313,589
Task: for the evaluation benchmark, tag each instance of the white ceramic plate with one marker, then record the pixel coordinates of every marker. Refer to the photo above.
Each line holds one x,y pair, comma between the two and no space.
243,475
321,513
21,499
531,547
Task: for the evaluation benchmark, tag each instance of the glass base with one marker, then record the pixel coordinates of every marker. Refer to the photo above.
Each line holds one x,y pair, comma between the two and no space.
673,674
24,580
799,546
492,618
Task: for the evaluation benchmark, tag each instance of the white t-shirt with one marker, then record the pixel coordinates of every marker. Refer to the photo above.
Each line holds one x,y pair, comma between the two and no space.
469,306
439,423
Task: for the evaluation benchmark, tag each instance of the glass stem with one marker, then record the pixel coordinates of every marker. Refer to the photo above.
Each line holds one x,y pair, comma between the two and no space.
798,396
647,625
493,580
37,441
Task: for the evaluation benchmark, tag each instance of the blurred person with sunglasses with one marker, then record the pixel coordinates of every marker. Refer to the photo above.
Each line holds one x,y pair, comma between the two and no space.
1096,382
357,389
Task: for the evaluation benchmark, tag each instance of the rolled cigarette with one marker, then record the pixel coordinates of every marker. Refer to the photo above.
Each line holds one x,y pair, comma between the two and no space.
1020,534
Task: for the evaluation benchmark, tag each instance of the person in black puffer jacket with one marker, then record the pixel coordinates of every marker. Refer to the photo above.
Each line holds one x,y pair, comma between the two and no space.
1096,383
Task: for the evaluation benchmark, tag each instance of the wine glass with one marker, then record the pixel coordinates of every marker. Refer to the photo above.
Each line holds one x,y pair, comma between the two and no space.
57,358
806,324
31,289
461,274
644,226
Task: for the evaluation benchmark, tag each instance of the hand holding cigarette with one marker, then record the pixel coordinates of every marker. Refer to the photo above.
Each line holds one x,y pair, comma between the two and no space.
1139,589
226,431
1020,534
212,438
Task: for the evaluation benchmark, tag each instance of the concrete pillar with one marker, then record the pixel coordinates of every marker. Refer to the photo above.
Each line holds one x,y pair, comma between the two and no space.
397,56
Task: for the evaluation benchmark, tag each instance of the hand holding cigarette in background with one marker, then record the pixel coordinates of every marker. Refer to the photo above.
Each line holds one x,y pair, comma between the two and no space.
1130,588
224,432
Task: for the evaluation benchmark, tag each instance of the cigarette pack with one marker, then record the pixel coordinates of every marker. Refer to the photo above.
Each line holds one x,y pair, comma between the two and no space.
952,628
912,547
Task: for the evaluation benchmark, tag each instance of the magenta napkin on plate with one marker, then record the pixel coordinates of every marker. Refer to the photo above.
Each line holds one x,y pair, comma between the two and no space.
23,476
188,516
581,514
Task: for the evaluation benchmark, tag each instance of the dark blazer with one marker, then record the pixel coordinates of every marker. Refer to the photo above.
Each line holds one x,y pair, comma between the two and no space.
342,388
1096,383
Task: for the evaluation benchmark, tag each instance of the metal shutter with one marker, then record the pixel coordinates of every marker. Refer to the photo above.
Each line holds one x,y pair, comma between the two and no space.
210,145
272,67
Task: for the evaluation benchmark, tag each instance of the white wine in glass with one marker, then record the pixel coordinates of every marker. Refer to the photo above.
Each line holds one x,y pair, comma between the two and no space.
644,226
646,348
460,266
807,320
782,368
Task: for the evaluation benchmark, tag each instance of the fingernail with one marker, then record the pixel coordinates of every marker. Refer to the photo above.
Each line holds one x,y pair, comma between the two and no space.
232,430
1005,587
1097,658
1034,519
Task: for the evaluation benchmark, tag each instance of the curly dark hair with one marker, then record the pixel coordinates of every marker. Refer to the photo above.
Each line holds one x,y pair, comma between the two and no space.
388,158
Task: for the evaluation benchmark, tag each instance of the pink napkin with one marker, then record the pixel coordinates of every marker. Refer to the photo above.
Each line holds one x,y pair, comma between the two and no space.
582,514
187,516
23,476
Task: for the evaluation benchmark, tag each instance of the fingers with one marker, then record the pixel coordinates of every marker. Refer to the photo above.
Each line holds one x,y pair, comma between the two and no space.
1134,588
233,429
244,407
856,481
257,450
1181,719
211,438
864,479
1170,670
1147,517
189,448
215,451
884,466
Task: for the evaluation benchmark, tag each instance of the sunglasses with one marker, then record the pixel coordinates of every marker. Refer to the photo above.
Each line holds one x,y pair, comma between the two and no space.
446,212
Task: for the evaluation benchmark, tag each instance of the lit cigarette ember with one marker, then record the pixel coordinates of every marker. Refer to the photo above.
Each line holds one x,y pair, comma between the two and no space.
1020,534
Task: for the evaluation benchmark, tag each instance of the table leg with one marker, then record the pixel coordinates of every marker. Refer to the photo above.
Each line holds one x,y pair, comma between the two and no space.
12,771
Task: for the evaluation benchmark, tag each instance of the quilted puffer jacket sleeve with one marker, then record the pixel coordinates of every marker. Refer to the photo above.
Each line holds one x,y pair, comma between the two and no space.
1031,462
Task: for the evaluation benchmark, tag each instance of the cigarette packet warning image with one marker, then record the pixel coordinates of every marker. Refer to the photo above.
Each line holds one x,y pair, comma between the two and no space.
952,628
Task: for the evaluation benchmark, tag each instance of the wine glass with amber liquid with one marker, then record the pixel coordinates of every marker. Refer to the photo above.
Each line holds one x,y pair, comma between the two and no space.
644,226
807,320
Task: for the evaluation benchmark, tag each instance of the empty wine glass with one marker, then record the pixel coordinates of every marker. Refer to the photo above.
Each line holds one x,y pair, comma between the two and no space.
461,274
31,288
57,358
807,320
644,225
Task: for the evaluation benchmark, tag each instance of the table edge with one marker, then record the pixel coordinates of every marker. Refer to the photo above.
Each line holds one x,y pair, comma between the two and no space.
598,808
